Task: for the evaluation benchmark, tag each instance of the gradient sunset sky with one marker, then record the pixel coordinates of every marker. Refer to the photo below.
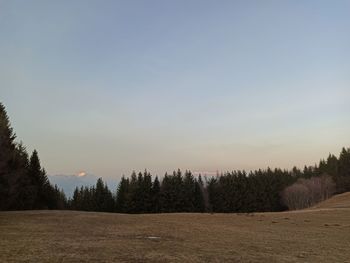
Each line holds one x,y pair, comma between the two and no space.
108,87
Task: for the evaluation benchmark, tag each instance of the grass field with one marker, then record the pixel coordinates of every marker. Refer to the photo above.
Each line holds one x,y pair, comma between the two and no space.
321,234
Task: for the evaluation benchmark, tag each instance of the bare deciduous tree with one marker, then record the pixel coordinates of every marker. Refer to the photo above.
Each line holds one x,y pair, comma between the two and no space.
307,192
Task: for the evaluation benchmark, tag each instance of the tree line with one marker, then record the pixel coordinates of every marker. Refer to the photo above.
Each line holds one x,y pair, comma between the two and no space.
238,191
24,185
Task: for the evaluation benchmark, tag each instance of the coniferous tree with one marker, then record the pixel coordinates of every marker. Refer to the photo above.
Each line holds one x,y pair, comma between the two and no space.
139,194
198,199
331,166
188,192
75,201
99,194
156,195
215,195
146,189
40,183
8,169
171,193
178,191
60,198
102,196
344,171
109,200
132,199
122,196
165,198
20,197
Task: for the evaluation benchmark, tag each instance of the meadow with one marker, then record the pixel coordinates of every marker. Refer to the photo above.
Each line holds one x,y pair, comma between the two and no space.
319,234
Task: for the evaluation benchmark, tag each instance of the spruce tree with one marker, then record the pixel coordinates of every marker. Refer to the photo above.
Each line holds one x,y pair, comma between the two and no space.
146,189
75,201
100,195
7,152
344,170
14,181
122,196
188,192
198,198
40,189
156,195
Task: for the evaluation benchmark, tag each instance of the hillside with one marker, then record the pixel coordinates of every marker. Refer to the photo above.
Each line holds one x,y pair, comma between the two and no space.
337,201
319,235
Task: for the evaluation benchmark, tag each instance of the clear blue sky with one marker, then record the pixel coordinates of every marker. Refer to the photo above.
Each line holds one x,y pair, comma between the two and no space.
111,86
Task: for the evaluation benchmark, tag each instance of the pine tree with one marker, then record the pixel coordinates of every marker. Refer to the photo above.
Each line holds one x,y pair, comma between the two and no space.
40,189
99,195
171,194
108,205
344,170
132,198
165,197
7,152
156,195
20,196
331,166
188,192
14,180
146,189
60,198
214,195
198,199
75,202
122,196
23,183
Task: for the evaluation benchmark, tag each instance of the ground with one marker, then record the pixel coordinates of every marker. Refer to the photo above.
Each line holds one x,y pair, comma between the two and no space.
320,234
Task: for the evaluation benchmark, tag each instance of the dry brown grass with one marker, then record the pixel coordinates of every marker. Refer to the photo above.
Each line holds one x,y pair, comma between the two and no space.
319,235
337,201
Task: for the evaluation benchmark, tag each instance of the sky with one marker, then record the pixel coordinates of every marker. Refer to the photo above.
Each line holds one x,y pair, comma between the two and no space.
108,87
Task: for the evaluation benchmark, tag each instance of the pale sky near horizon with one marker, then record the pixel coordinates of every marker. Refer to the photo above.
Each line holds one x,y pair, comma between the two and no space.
108,87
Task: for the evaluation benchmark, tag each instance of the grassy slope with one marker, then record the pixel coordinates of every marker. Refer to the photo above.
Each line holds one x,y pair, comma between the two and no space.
337,201
321,234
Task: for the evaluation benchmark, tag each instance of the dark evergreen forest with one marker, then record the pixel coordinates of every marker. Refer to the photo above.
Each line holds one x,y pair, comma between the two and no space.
24,185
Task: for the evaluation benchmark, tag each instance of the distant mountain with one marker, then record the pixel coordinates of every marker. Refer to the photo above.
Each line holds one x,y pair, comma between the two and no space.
69,182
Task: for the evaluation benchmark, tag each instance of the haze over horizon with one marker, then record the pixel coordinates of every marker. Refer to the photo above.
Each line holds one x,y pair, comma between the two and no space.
110,87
